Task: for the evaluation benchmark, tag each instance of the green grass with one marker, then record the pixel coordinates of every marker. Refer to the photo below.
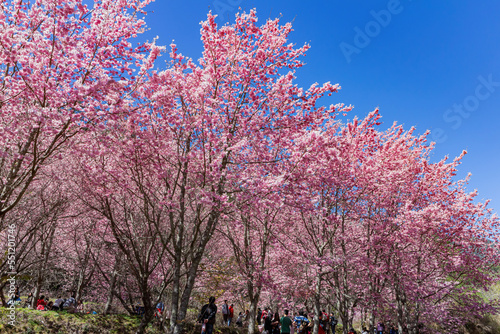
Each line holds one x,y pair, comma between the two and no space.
33,321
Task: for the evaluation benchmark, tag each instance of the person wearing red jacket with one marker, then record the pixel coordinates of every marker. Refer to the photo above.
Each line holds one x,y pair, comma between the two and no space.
230,315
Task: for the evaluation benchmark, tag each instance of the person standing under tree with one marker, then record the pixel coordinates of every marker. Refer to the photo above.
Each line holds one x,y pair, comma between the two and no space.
326,321
230,315
268,322
286,323
333,323
321,328
380,328
301,323
225,312
259,316
275,322
207,315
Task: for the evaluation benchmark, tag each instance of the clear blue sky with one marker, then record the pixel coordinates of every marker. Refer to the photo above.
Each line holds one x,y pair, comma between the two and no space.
430,64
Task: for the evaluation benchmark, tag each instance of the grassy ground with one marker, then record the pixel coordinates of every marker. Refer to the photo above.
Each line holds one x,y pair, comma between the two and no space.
32,321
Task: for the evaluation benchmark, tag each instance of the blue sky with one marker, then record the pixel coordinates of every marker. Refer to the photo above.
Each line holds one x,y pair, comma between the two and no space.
430,64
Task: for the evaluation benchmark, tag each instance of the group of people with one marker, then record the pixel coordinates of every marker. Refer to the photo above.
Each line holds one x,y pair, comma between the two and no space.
289,324
268,322
380,329
301,324
44,304
272,323
228,315
70,305
208,315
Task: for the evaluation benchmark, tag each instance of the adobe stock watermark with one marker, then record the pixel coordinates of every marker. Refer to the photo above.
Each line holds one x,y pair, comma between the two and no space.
11,265
372,29
224,9
460,111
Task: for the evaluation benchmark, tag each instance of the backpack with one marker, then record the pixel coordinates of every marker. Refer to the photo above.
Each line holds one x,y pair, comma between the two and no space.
206,310
303,326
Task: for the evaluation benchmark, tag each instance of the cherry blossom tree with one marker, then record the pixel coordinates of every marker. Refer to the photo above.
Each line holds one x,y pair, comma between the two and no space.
37,220
217,122
256,227
63,66
362,198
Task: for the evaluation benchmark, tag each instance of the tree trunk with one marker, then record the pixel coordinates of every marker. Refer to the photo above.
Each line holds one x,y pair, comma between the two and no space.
177,323
148,308
254,301
401,310
344,317
351,316
46,246
125,305
38,286
174,306
2,297
317,306
179,307
372,319
112,284
186,295
79,285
